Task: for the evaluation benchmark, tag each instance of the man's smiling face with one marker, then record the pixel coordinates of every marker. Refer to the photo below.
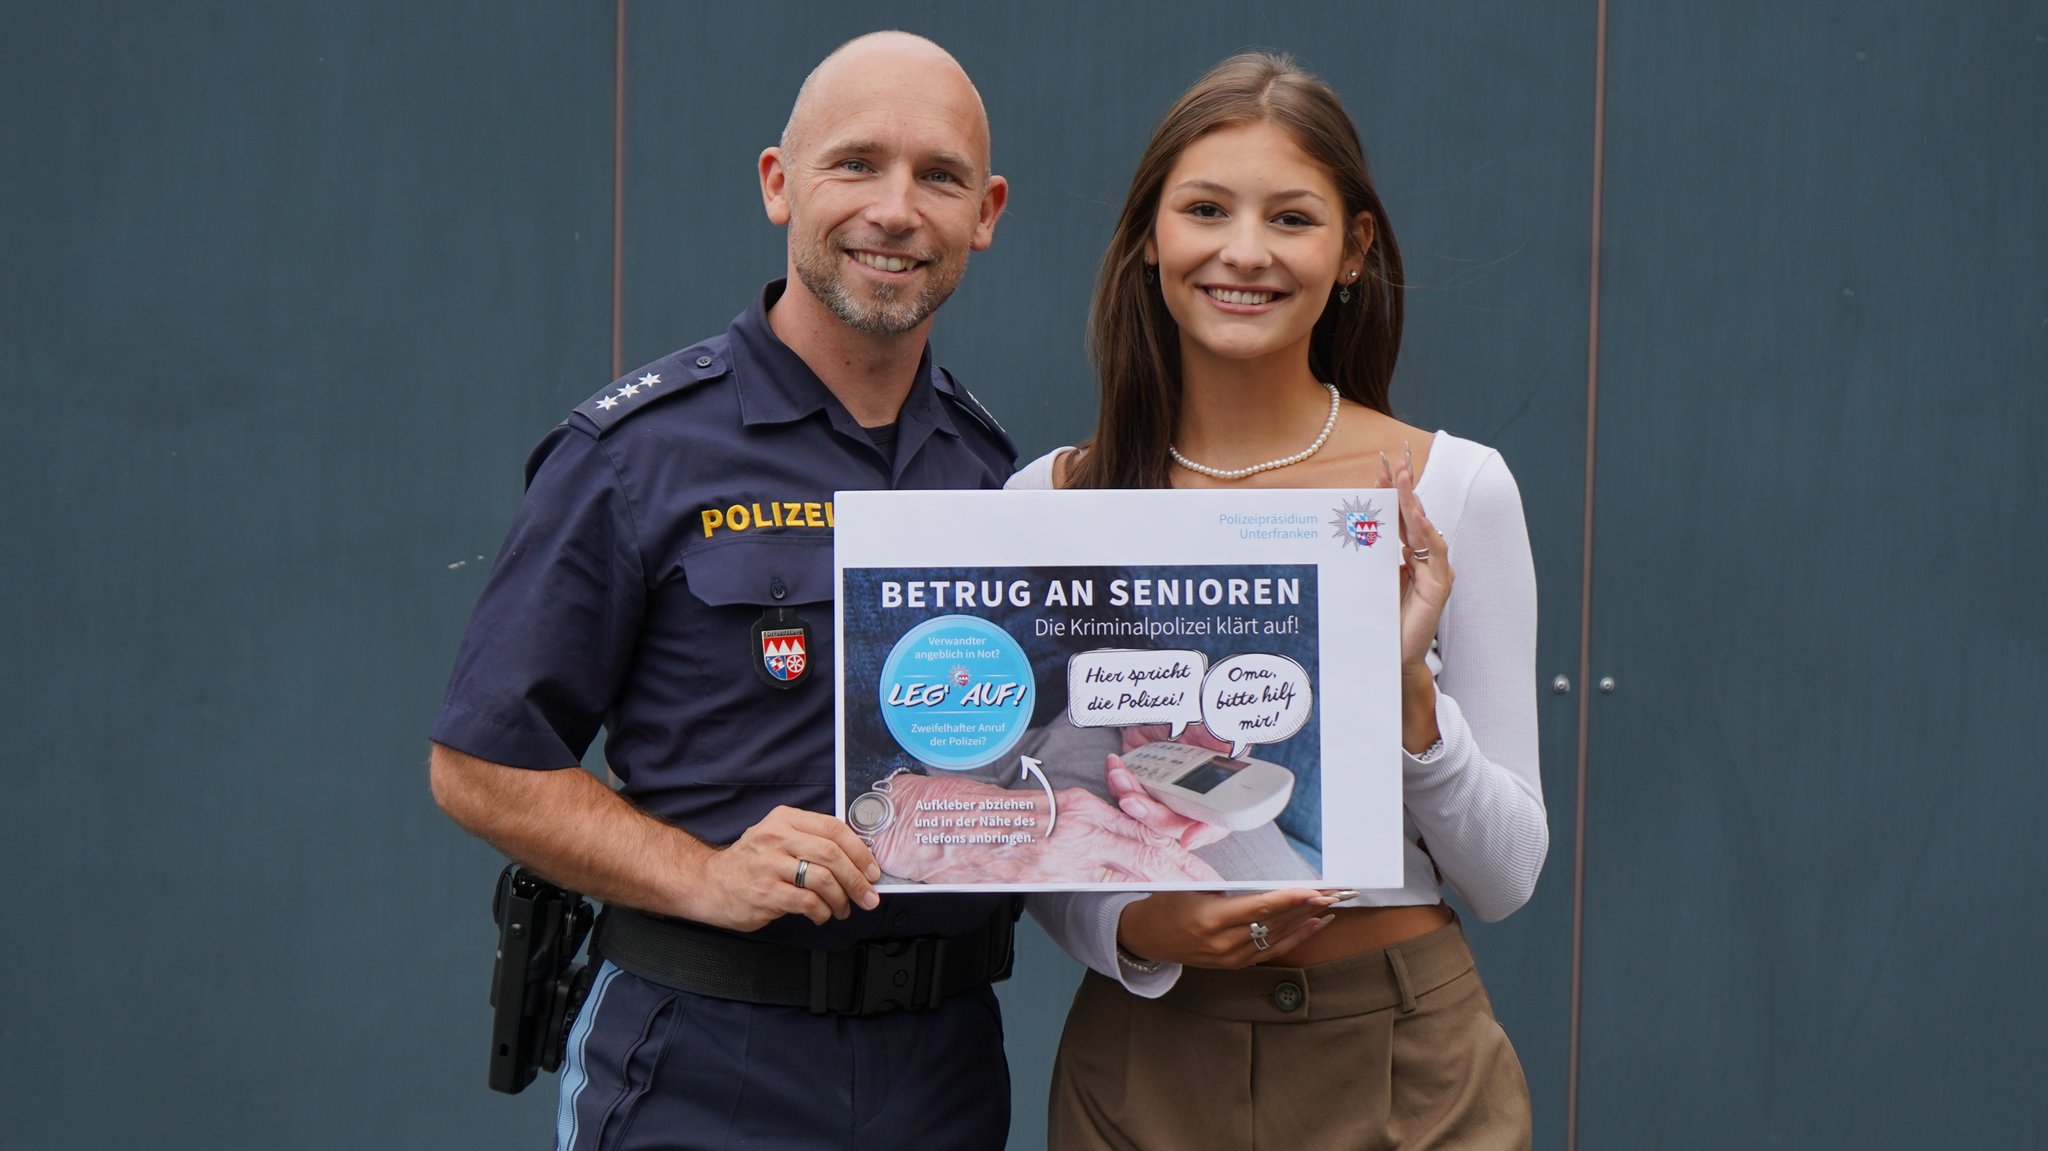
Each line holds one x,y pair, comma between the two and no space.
884,185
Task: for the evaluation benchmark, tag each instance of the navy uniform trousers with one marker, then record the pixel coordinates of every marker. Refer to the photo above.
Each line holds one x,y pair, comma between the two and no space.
666,1070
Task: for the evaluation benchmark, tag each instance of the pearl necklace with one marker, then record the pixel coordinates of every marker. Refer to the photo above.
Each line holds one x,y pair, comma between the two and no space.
1322,437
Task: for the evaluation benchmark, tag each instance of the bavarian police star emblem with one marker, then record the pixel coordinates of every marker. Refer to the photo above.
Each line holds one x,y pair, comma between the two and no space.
1358,523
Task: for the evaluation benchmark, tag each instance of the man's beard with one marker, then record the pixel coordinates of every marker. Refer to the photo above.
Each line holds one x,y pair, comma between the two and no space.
889,312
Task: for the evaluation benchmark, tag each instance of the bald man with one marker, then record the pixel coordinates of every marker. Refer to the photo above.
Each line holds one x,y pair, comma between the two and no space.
669,578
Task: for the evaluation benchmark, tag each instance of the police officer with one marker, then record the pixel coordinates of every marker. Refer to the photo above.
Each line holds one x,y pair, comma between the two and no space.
668,577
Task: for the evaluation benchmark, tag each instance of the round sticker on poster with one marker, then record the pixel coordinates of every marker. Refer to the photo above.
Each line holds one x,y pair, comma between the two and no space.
956,692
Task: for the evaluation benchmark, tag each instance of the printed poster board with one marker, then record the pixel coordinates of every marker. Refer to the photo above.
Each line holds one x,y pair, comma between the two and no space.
1120,690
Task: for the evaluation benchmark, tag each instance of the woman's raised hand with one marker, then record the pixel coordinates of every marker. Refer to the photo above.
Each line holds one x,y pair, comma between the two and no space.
1426,576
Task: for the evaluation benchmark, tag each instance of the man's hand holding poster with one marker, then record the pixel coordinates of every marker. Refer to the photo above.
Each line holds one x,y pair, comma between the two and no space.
1128,690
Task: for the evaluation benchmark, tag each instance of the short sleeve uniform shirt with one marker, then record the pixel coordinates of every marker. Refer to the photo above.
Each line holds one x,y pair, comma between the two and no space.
662,520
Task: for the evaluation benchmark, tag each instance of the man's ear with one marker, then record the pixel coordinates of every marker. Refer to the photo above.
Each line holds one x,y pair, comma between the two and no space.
993,199
775,187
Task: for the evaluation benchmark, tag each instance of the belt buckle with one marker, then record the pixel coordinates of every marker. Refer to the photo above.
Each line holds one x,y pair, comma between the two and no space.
893,974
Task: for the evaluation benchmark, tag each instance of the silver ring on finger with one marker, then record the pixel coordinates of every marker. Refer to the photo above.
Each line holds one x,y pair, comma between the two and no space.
1419,555
1259,936
803,870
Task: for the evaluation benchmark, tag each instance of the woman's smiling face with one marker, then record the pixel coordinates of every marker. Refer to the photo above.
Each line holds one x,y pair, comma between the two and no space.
1250,240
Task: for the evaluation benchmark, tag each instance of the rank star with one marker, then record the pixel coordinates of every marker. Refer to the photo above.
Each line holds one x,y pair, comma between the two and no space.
629,389
608,403
650,379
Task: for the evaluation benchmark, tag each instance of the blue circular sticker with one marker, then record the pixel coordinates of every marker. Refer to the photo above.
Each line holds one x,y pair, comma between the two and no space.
957,692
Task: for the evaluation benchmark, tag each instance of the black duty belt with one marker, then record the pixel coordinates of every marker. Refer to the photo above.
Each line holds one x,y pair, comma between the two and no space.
875,975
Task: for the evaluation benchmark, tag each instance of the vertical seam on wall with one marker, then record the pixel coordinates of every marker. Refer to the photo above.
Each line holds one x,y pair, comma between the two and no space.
618,186
618,221
1571,1123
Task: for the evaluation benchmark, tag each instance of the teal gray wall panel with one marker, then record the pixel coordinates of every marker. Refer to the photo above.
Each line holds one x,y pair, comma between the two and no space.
288,290
1815,794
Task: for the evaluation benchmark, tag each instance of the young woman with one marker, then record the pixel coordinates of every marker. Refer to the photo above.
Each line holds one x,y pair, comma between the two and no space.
1245,328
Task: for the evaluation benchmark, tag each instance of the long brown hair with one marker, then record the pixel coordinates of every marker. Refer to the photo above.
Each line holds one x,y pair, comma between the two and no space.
1133,338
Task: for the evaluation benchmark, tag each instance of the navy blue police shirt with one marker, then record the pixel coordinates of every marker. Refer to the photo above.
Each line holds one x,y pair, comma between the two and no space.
661,520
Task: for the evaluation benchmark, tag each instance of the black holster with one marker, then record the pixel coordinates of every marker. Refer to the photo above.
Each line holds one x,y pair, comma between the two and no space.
537,986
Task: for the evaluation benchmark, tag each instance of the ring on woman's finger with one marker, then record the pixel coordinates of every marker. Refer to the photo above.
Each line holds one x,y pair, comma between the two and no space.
803,869
1259,934
1419,555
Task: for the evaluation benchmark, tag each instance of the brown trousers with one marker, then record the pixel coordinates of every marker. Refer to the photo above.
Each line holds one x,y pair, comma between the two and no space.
1393,1049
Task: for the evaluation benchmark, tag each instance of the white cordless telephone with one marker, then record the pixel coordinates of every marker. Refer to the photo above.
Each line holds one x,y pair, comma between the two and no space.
1206,785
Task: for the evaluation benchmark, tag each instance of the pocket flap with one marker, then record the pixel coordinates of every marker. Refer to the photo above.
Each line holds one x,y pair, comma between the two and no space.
766,570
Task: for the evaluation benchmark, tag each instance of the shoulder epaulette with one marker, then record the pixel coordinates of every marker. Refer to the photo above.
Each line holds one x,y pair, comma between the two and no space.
670,375
963,399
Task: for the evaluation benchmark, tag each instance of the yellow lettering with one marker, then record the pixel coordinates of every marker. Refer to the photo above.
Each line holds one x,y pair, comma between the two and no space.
772,513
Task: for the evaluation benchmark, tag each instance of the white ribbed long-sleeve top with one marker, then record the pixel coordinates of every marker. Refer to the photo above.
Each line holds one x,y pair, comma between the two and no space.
1474,813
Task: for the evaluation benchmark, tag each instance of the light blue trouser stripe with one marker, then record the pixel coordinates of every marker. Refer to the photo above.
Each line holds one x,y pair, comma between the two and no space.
574,1079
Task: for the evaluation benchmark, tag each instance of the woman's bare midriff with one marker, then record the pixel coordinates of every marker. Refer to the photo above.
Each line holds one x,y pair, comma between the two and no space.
1361,929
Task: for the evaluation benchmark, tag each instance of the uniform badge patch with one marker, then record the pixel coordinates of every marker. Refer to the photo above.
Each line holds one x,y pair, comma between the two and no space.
782,647
782,652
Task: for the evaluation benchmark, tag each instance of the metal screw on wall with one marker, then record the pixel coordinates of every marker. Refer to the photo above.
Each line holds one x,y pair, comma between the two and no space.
1562,685
1606,685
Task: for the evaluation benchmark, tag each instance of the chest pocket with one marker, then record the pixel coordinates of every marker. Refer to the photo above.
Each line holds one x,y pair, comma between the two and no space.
769,571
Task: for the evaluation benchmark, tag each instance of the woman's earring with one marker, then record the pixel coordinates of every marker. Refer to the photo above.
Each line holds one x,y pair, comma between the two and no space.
1344,294
1151,273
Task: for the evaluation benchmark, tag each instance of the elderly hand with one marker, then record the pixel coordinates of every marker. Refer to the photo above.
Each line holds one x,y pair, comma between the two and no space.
1134,801
1091,842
